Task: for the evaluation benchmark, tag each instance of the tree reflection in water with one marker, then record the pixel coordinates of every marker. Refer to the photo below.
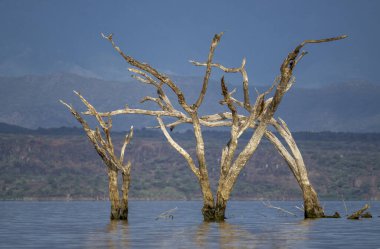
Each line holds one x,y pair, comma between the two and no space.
226,235
265,232
117,234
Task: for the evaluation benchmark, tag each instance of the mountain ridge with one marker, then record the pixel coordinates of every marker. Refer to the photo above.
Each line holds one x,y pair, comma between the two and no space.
32,101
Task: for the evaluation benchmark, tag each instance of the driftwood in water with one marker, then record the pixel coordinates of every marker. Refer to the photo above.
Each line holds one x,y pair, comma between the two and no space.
366,215
357,214
335,215
269,205
167,214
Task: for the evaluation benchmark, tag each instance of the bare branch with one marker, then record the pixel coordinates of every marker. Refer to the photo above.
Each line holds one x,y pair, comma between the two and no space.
300,57
214,43
141,79
322,40
92,110
91,134
220,66
284,131
149,80
178,148
240,69
244,74
284,153
291,60
239,103
149,69
127,140
230,148
269,205
176,114
156,100
229,102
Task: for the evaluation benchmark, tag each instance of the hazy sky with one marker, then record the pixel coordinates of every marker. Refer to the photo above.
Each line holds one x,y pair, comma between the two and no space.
47,36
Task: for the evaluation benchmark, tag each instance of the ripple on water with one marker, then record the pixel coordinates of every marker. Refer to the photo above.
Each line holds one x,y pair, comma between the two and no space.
249,225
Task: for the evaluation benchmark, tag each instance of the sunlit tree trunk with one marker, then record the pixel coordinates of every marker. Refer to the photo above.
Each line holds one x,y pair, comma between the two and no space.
312,207
125,191
113,194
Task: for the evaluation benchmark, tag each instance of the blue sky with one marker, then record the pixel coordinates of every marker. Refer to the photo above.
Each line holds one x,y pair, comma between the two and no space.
47,36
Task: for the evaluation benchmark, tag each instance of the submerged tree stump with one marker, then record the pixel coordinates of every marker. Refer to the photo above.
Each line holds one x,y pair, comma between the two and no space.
357,214
366,215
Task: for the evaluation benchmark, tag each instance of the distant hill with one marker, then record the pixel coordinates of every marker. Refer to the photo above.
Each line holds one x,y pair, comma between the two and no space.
7,128
32,102
61,163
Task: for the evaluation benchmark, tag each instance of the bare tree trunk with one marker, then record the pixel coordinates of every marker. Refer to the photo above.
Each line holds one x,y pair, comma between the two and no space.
126,177
113,194
220,209
214,211
312,207
208,209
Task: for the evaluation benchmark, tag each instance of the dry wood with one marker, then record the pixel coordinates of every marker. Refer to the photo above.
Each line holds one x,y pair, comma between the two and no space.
104,146
269,205
167,214
356,215
260,115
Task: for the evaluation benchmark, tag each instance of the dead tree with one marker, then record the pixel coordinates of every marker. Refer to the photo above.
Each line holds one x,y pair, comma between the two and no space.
104,147
260,114
294,159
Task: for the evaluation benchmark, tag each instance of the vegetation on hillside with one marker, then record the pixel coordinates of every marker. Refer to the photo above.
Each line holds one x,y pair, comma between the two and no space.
60,163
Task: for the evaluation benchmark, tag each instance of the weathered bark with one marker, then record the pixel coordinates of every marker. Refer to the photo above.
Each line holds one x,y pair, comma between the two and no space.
114,194
208,209
124,192
215,211
214,214
366,215
312,207
260,115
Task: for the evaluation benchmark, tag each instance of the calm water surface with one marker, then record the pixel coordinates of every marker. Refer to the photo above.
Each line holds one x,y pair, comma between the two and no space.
250,225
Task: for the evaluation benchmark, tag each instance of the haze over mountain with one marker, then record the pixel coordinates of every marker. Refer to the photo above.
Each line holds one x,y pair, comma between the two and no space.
32,101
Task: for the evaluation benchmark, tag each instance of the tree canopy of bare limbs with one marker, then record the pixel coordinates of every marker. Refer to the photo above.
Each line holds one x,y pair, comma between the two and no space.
104,147
256,115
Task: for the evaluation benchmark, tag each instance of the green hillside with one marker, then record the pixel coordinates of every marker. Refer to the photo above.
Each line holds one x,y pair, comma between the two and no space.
61,163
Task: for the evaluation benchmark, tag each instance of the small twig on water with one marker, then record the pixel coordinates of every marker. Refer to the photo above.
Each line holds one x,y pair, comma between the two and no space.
167,214
345,206
302,209
269,205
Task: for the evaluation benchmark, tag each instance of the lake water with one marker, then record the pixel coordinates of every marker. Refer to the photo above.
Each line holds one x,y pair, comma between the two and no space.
250,224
